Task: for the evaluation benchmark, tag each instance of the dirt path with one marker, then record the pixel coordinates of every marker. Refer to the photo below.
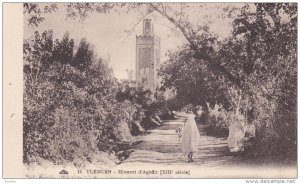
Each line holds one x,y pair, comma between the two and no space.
160,149
162,146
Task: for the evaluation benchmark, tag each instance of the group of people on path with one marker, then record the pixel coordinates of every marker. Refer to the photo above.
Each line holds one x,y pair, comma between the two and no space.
189,134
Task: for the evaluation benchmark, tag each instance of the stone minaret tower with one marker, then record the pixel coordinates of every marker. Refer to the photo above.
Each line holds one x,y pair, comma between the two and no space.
147,57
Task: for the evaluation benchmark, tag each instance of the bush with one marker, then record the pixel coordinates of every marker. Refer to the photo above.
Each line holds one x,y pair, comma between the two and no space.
71,112
218,121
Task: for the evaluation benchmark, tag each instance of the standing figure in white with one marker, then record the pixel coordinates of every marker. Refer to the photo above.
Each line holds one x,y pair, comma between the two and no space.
190,135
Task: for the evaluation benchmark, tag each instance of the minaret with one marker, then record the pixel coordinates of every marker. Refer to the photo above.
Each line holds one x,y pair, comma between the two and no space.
147,57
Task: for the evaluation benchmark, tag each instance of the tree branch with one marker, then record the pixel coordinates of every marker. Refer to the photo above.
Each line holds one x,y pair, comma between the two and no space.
211,62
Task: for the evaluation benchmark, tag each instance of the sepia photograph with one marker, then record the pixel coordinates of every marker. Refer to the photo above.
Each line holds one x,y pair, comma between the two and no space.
155,90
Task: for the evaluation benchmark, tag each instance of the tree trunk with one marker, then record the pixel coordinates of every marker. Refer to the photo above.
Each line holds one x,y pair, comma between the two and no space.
203,103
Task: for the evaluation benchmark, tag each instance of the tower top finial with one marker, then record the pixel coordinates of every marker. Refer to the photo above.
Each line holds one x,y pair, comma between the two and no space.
148,27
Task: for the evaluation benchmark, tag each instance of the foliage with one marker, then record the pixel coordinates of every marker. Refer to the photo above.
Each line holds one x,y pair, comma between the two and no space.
193,82
254,70
147,104
70,107
36,12
268,39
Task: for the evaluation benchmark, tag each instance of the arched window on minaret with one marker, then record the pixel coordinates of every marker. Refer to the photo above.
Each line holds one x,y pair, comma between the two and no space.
148,27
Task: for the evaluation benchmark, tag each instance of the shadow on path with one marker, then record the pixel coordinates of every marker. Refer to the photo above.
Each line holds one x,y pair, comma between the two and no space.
161,149
162,146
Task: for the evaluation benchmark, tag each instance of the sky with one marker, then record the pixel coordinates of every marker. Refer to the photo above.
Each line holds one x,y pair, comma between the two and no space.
109,35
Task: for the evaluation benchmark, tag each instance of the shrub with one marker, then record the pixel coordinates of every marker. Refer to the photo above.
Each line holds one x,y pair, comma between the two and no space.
218,121
71,112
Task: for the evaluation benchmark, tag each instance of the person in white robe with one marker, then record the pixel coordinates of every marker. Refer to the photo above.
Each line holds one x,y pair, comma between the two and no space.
190,136
236,134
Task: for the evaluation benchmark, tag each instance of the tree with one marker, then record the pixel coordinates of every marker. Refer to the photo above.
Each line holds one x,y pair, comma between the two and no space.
257,60
193,81
267,39
70,107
